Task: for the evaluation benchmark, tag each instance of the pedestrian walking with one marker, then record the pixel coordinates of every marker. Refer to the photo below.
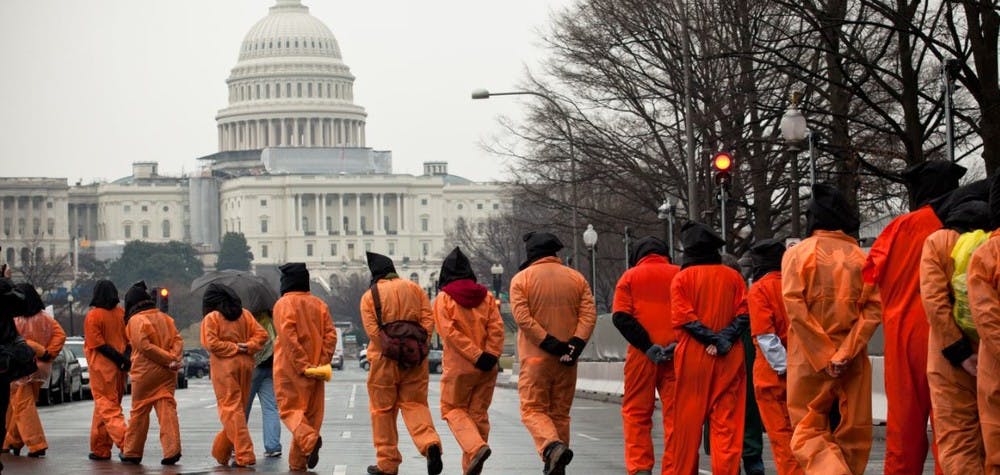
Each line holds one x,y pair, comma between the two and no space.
468,321
397,316
104,344
306,341
262,389
641,313
555,312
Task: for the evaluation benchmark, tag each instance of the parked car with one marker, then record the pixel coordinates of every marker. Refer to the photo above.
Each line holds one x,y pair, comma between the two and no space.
434,361
182,379
338,353
65,381
363,359
198,365
75,344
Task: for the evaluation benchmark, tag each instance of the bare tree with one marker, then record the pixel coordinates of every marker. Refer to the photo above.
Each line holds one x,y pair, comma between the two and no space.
41,269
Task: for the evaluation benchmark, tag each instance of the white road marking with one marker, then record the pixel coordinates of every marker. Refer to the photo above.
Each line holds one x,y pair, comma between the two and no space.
354,394
346,435
213,405
585,436
704,472
340,470
350,416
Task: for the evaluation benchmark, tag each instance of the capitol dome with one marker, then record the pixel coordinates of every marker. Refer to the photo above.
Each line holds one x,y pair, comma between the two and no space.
290,87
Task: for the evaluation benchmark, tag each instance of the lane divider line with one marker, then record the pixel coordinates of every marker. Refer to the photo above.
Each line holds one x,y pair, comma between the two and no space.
354,394
346,435
585,436
340,470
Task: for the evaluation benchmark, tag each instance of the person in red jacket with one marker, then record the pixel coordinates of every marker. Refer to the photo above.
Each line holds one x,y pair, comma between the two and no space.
641,312
769,329
893,265
709,310
468,319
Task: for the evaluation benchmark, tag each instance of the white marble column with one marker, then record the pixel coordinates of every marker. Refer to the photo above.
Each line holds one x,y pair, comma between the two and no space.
320,222
295,133
340,211
375,218
357,212
282,132
309,134
298,213
399,212
221,143
361,126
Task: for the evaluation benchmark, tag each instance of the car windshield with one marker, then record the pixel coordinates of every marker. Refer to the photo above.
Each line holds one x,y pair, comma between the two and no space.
76,347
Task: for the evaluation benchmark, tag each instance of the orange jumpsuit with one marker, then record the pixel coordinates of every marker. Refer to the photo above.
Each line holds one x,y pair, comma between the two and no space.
232,371
466,391
643,292
23,424
953,390
832,314
708,388
893,265
306,339
392,390
107,380
155,345
768,316
984,299
548,298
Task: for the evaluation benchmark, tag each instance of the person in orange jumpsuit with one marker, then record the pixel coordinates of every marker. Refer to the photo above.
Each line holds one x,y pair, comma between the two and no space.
709,314
555,314
832,314
231,335
893,265
45,335
984,301
641,313
468,321
769,329
392,389
104,346
156,358
951,356
11,305
306,339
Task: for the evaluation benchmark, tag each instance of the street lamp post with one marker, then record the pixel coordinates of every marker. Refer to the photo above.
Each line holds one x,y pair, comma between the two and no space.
70,299
666,213
485,94
795,130
497,271
590,240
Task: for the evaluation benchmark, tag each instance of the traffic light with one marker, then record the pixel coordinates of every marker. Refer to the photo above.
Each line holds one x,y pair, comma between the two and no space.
162,299
722,162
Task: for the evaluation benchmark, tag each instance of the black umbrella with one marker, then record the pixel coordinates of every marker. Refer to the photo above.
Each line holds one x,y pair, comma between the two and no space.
254,291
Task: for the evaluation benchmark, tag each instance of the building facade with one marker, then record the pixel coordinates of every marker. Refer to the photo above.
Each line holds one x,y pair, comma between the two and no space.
292,173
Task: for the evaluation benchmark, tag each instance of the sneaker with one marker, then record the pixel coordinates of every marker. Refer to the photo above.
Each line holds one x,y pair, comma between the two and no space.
171,460
273,454
434,465
476,465
313,459
96,457
557,457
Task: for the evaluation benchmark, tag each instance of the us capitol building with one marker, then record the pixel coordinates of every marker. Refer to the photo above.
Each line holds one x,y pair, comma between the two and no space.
293,174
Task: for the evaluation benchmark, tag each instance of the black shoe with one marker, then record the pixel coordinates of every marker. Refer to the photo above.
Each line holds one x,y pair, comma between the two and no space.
434,465
753,466
476,466
171,460
374,470
557,457
131,460
313,459
37,455
13,451
94,456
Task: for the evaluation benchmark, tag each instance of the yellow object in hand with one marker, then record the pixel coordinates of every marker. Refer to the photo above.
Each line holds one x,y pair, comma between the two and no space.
324,372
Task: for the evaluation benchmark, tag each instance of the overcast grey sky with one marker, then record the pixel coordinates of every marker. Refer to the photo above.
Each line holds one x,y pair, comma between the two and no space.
88,87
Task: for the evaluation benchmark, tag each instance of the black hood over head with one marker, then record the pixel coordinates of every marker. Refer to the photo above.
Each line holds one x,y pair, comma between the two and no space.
380,266
455,267
224,299
539,244
994,200
32,301
646,246
931,179
105,295
294,277
969,216
701,244
765,256
137,299
829,211
945,205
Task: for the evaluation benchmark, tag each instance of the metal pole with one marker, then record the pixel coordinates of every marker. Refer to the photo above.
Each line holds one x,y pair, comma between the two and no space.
72,331
670,234
949,120
794,190
812,159
593,272
628,244
722,204
693,203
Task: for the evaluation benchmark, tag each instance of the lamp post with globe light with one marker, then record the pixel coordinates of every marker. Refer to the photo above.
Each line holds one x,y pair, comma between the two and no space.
497,271
795,130
70,299
485,94
666,213
590,240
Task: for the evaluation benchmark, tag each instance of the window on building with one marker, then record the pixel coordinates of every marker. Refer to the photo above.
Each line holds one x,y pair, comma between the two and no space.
48,204
364,223
145,208
305,223
415,278
392,249
426,248
10,255
166,209
329,223
423,201
385,223
50,226
166,229
460,206
263,226
128,231
6,226
263,203
263,250
333,249
424,224
20,226
350,251
145,231
36,226
309,90
496,205
479,206
288,89
298,90
347,227
309,250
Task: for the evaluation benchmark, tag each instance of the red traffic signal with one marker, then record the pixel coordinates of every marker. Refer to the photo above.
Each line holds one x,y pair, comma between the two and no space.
164,292
722,162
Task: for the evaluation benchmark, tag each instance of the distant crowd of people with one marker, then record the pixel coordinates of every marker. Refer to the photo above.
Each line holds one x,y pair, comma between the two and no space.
932,278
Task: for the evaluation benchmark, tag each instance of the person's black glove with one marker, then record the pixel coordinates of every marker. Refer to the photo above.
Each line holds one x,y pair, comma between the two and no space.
668,353
554,346
46,357
110,353
486,362
576,346
701,333
632,330
733,332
